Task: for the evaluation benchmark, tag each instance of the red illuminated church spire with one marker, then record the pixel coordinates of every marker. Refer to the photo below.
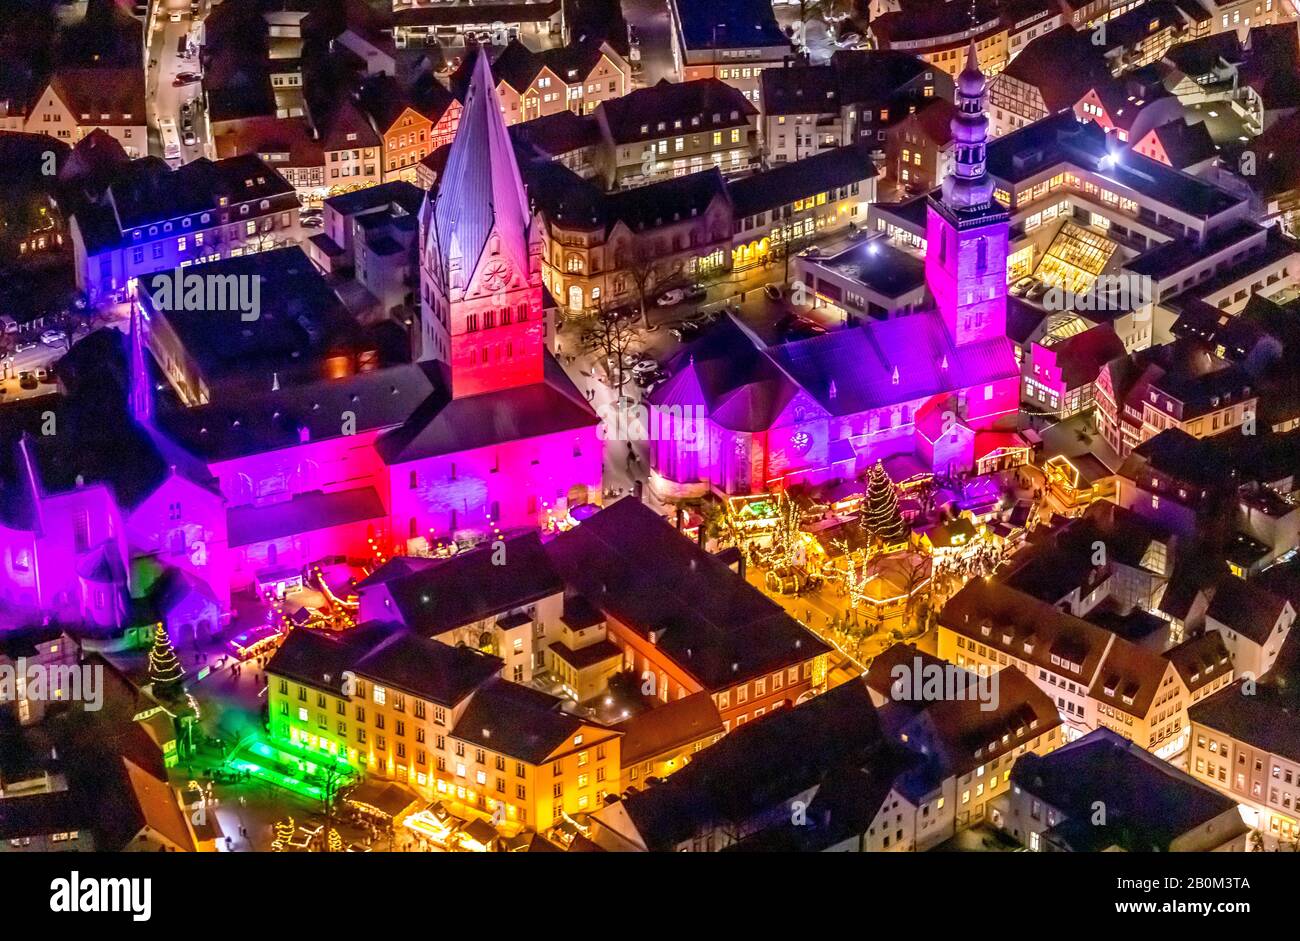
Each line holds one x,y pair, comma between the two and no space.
480,263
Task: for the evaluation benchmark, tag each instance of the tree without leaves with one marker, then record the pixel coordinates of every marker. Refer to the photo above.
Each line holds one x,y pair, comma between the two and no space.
640,265
611,337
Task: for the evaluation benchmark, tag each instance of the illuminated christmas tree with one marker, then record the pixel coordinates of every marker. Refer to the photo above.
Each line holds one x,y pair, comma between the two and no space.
880,519
165,668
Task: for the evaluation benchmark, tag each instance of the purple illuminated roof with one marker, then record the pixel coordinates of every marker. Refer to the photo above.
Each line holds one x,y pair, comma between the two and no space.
862,363
480,189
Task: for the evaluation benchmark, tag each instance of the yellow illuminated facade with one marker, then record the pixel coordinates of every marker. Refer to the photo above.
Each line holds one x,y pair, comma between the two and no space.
399,737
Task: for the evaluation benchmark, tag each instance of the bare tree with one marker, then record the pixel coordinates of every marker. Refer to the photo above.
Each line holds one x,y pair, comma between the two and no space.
611,337
914,569
640,264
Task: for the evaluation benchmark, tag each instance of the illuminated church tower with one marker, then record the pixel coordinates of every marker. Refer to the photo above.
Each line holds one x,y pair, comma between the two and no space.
481,257
966,229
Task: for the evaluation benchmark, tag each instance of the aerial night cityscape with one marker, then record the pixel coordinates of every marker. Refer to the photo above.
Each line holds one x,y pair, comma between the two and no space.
651,426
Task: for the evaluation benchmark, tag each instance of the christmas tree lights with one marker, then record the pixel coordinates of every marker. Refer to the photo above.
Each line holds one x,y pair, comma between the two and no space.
880,520
165,668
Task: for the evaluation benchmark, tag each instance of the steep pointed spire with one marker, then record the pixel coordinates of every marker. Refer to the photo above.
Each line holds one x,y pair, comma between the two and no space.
33,518
969,185
481,188
141,389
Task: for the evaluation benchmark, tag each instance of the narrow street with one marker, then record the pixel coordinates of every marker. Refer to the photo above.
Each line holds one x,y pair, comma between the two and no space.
166,98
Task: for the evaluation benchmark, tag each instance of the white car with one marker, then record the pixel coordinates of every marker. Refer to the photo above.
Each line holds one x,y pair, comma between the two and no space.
53,338
669,298
645,367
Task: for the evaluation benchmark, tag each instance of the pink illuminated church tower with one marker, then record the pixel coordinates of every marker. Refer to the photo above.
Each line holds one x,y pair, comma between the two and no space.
513,443
481,260
936,390
966,230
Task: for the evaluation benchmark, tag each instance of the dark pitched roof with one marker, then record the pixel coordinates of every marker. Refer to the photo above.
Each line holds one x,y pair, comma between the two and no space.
759,766
1081,356
299,319
1039,66
1017,621
556,134
385,653
1149,803
446,425
691,606
404,194
1186,144
1201,659
800,89
106,97
828,170
518,721
471,585
273,419
1265,716
717,105
147,191
670,726
1199,57
1246,607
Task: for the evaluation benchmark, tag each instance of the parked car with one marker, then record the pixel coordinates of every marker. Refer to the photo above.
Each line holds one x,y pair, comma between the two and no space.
773,291
794,327
46,376
669,298
645,367
312,222
1020,287
27,380
53,338
184,78
696,292
685,330
1037,290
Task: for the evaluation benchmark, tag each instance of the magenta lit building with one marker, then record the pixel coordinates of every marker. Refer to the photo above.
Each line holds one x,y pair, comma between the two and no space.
243,450
826,408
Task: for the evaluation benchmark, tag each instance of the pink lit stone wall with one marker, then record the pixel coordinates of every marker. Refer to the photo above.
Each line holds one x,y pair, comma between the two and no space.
969,282
50,578
344,462
185,526
507,484
301,549
993,405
